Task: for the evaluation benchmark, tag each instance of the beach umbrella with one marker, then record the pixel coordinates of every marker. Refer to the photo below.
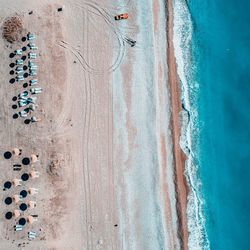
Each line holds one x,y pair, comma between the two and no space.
16,213
8,215
7,184
31,204
16,198
32,191
23,207
31,219
25,177
23,193
26,161
8,200
16,151
16,182
33,158
7,155
22,221
34,174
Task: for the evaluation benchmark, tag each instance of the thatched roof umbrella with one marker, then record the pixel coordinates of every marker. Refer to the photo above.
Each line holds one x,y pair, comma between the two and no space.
16,151
32,191
16,213
33,174
31,219
31,204
16,198
16,182
33,158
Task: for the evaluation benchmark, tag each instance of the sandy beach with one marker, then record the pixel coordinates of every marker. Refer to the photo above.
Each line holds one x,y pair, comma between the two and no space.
110,164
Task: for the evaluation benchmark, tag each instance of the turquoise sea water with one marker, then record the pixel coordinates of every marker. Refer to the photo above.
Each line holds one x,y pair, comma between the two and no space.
220,52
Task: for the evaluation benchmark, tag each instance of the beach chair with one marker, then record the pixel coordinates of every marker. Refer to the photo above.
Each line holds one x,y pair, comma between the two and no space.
23,94
19,62
32,73
19,68
31,36
18,52
36,90
34,119
19,72
22,103
30,63
23,113
18,227
20,78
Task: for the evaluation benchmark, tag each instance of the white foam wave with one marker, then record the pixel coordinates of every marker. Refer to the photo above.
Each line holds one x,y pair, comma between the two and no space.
182,46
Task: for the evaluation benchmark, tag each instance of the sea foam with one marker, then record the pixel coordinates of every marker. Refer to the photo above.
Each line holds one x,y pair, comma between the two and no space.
190,129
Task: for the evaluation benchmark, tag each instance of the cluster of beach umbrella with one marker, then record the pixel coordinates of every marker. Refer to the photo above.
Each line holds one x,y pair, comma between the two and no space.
25,68
22,200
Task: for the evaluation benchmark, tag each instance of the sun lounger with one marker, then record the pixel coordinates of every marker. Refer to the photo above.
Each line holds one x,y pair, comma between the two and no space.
20,77
31,37
19,62
33,73
18,52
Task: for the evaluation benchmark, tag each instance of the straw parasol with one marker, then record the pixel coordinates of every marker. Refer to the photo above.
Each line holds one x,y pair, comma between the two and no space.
16,198
16,151
33,174
16,213
31,219
16,182
31,204
33,158
32,191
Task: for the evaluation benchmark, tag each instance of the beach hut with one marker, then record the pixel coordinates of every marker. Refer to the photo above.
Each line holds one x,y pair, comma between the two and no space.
16,213
33,158
16,151
16,182
16,198
34,174
33,191
31,204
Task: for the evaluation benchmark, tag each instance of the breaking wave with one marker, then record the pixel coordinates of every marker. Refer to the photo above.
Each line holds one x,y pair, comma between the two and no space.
190,127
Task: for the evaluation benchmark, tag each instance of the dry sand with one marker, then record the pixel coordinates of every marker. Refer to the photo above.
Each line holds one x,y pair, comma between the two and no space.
85,199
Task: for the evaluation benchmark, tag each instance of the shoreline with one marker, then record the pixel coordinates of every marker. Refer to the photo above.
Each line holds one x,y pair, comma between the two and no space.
179,156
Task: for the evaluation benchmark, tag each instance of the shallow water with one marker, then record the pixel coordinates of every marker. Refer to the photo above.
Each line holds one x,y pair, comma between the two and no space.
219,64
